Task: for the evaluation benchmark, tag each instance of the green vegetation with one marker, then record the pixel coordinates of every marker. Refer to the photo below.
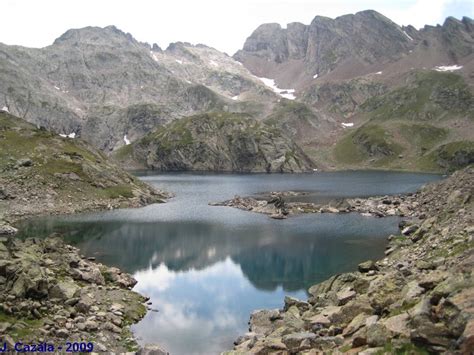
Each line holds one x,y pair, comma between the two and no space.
117,191
368,142
449,157
430,96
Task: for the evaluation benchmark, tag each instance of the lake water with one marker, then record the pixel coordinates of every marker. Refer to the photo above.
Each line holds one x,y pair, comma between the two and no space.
207,268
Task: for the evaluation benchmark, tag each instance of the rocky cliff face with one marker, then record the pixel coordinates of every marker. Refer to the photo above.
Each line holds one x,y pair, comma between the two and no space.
349,46
217,142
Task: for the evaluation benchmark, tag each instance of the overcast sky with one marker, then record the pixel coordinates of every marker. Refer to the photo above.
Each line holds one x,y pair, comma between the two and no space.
222,24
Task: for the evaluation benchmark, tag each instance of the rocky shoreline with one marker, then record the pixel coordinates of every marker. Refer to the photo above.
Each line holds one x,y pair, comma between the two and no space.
50,293
275,206
418,299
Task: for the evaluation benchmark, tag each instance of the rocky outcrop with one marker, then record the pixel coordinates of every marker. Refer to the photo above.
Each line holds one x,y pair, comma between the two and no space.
418,298
49,291
217,142
42,173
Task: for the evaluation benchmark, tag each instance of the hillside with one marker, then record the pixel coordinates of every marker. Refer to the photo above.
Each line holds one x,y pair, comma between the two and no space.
426,124
41,173
103,85
216,142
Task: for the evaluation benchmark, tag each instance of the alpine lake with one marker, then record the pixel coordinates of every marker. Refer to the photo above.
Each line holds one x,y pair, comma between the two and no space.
206,268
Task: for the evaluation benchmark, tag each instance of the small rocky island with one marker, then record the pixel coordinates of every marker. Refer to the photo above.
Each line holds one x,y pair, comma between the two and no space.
419,297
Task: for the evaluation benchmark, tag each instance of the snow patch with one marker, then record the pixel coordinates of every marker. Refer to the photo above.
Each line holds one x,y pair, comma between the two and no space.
349,124
213,63
153,55
126,140
286,93
56,88
379,73
5,109
179,61
235,98
448,68
70,135
315,76
408,36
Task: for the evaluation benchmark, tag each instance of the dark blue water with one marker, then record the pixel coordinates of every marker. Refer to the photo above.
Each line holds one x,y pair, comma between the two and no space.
207,268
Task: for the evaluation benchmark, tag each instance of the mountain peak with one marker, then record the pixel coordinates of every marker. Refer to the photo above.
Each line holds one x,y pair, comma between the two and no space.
94,35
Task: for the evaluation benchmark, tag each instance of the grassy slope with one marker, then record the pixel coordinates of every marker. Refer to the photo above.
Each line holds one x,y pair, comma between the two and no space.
62,170
424,125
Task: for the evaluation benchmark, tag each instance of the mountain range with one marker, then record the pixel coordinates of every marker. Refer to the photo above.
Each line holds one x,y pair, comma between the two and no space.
351,92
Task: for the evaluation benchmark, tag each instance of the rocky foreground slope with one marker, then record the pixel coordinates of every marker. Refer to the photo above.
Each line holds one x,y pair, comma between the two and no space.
43,173
419,298
217,142
51,294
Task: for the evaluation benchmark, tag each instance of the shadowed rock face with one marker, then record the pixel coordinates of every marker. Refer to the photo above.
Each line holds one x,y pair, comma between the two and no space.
218,142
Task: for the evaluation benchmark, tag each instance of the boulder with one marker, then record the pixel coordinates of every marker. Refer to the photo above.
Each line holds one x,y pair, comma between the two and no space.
293,341
366,266
261,322
64,290
377,335
398,325
345,296
5,229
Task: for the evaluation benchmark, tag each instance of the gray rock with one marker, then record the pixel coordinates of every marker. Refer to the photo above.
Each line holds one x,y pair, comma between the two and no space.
64,290
366,266
294,340
26,162
7,230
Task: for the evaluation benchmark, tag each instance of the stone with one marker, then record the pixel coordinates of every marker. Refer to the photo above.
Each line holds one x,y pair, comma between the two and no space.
345,296
26,162
261,322
4,326
84,304
377,335
358,322
398,325
91,325
64,290
467,338
366,266
62,333
409,229
319,320
9,341
431,334
411,291
294,340
291,301
5,229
